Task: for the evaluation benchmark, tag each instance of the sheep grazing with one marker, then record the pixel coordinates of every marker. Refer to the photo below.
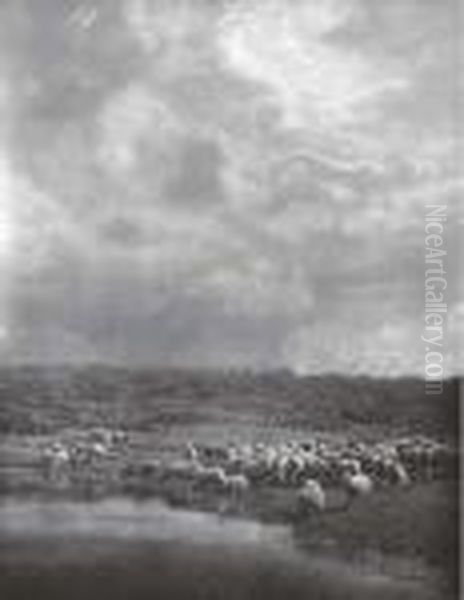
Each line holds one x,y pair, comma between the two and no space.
57,454
191,452
57,461
310,467
214,453
233,455
99,450
417,454
283,467
214,477
289,466
298,464
349,465
270,458
358,484
100,435
354,481
400,475
311,496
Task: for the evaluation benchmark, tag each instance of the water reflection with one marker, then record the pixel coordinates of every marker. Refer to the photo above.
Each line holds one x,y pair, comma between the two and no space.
146,549
122,518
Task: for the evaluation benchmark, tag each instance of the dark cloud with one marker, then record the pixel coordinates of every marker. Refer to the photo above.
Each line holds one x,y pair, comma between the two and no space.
123,231
194,181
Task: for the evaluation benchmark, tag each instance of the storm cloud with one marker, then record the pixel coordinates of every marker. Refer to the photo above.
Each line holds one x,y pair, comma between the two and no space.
238,183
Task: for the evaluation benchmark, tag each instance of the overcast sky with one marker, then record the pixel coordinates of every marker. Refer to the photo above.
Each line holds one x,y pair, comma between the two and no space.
235,183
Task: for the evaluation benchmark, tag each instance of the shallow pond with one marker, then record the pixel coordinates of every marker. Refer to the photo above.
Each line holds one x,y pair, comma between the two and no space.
121,549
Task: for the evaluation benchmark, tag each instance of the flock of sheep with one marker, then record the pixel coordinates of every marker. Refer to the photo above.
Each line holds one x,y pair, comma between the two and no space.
76,453
308,468
314,466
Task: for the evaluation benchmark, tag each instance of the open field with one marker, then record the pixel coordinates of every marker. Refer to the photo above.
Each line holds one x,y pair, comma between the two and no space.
34,400
408,530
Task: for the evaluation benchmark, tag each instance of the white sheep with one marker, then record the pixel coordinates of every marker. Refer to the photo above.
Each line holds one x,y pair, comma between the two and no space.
57,453
355,482
270,458
211,476
311,496
191,452
57,457
99,450
358,484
